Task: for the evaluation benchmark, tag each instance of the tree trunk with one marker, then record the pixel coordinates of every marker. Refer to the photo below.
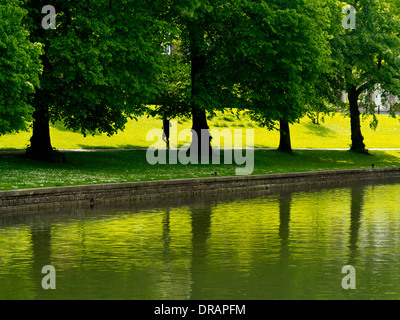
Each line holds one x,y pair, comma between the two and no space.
40,140
41,148
285,144
357,139
200,127
198,67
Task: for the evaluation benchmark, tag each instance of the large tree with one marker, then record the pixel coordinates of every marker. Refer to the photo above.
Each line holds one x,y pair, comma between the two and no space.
19,68
370,53
281,51
199,81
99,62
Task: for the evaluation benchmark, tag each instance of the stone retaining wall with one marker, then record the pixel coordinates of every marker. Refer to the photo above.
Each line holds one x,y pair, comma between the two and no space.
107,193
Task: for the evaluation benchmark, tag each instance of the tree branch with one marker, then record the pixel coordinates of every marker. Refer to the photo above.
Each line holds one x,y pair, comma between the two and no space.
365,86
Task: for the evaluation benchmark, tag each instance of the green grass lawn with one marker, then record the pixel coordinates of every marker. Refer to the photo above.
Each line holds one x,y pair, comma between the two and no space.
334,133
84,168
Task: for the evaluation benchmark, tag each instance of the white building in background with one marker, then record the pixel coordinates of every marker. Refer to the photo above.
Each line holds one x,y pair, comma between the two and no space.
344,97
376,98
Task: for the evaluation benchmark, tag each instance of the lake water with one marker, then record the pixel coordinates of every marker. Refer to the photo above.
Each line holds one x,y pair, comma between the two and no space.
287,246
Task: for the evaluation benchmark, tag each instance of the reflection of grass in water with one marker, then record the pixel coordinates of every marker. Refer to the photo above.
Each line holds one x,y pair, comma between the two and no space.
127,166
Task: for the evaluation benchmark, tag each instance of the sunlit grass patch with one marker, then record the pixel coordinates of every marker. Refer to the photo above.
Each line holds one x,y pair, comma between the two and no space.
333,133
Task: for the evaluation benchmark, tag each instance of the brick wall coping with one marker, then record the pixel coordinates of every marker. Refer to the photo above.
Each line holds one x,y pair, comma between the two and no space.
90,194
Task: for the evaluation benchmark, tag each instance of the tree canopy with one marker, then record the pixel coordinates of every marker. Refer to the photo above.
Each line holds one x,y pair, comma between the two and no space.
106,61
281,48
100,65
370,57
19,68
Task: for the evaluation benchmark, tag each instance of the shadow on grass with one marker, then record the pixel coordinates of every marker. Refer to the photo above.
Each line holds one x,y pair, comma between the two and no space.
11,150
349,159
384,157
105,167
124,146
59,125
319,130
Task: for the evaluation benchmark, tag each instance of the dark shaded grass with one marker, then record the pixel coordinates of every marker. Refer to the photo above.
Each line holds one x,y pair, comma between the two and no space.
84,168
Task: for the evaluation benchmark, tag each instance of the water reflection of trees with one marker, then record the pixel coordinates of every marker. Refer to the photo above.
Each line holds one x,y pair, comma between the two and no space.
166,234
285,202
41,255
356,207
207,281
201,223
281,271
186,265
